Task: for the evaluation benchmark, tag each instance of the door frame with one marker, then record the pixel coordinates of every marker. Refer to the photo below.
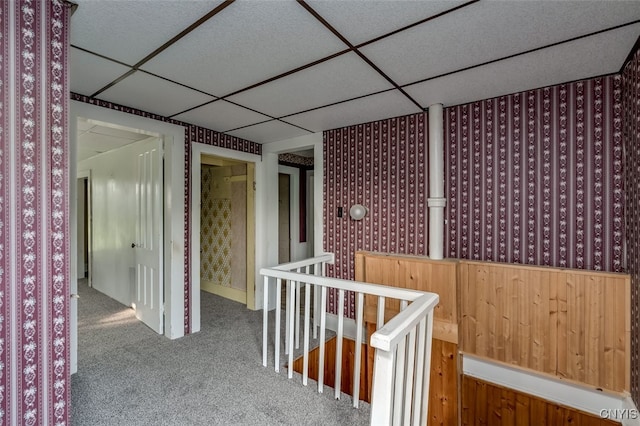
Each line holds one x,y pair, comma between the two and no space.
297,250
85,175
174,140
197,150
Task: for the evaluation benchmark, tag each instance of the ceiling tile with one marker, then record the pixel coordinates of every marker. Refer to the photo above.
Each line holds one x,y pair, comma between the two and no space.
270,131
490,30
153,94
562,63
89,73
344,77
246,43
370,108
130,30
381,16
221,116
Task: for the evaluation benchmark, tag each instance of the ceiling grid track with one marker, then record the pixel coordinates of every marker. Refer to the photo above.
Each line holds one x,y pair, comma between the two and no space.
408,88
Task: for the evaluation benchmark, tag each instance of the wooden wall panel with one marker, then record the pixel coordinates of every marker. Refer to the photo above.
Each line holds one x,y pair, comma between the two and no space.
569,323
484,403
413,272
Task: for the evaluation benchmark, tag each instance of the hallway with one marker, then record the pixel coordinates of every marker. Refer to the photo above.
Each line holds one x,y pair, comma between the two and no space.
128,375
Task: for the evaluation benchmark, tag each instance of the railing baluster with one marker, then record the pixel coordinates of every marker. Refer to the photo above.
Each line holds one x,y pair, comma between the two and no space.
305,359
417,397
292,289
380,319
316,302
265,320
402,345
339,344
398,389
358,352
323,322
278,319
297,313
408,391
404,304
287,315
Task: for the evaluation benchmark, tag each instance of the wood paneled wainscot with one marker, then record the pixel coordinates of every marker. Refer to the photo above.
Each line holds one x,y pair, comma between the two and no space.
438,276
572,324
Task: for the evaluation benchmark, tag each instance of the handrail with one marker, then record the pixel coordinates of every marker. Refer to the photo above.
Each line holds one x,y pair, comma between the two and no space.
403,345
348,285
326,258
399,326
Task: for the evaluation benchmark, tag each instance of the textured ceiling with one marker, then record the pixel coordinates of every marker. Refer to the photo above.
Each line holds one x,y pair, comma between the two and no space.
272,70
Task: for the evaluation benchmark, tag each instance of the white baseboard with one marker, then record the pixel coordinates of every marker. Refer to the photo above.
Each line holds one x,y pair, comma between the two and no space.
630,414
602,404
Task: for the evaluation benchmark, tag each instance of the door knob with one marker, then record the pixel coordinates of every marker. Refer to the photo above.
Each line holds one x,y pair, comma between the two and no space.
133,245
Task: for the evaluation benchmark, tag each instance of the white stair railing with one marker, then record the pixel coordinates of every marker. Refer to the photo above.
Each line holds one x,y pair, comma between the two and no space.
403,345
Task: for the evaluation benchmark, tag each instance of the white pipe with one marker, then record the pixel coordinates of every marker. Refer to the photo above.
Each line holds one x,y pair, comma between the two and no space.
436,200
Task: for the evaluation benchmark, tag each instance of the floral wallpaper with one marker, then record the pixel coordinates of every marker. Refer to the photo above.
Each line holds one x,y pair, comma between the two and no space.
215,234
536,177
34,215
380,165
631,108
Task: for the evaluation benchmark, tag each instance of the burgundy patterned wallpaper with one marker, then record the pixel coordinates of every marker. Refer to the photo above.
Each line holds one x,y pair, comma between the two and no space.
192,134
631,108
536,177
34,215
380,165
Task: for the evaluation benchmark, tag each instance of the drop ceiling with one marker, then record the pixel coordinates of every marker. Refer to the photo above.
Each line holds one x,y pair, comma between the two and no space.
271,70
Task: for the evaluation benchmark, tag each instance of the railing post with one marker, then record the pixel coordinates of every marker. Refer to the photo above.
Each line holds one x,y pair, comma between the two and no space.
381,397
265,320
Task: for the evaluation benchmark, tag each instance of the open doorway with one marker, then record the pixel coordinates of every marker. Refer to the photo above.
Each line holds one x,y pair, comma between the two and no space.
227,238
120,216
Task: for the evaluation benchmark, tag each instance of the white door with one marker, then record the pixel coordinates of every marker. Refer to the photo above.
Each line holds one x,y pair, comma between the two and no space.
147,247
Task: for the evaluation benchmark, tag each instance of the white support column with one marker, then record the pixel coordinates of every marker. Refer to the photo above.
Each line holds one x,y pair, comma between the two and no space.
436,200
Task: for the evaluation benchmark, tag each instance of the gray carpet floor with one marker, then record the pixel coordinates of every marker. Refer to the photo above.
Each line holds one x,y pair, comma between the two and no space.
129,375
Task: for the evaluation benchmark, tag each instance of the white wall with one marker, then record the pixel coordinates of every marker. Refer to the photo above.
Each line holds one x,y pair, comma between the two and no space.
113,188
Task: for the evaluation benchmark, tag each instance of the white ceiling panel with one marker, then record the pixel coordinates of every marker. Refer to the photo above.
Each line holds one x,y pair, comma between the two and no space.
562,63
89,73
246,43
344,77
221,116
98,139
130,30
490,30
152,94
370,108
381,16
270,131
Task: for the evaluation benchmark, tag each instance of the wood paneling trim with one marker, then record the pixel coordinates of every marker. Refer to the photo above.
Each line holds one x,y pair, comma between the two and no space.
484,403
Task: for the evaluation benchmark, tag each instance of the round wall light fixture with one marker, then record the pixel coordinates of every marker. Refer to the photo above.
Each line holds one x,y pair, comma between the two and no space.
358,211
